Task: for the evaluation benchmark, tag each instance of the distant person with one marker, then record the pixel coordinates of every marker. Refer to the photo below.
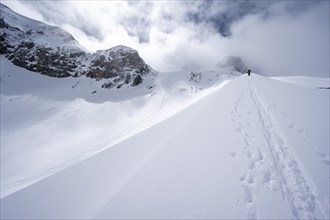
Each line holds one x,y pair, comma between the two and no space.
249,72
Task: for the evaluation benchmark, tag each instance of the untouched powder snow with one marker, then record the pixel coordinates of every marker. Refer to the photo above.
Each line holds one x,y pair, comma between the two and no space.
254,148
312,82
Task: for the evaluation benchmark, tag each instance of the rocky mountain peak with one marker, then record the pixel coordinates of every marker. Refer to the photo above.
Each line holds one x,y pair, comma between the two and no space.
120,50
52,51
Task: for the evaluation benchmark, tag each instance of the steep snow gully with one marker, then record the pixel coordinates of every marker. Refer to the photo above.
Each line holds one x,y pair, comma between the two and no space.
244,151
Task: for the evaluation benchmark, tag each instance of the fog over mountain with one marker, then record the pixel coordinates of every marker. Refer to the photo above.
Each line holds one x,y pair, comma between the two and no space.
273,37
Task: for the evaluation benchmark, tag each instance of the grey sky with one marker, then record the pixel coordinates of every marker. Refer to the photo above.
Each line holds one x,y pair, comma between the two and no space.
273,37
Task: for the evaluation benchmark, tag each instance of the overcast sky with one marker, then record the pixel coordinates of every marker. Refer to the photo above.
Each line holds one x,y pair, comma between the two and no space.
272,37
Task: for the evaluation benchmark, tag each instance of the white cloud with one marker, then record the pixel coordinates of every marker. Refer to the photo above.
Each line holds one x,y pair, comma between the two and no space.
288,45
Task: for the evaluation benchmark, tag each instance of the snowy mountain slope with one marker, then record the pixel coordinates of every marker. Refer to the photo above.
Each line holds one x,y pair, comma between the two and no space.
191,174
255,148
16,26
81,117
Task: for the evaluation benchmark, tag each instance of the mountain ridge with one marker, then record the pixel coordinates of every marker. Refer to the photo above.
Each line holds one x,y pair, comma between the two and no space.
51,51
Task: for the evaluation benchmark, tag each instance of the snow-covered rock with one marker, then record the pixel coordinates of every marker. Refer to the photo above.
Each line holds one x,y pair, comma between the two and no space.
51,51
122,64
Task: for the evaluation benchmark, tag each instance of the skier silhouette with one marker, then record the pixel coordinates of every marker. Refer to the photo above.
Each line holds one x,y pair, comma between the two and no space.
248,72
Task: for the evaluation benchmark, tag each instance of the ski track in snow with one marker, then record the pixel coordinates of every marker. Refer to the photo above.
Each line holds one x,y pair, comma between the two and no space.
255,160
274,166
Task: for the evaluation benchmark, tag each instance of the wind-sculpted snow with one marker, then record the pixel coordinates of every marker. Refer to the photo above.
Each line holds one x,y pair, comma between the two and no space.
82,117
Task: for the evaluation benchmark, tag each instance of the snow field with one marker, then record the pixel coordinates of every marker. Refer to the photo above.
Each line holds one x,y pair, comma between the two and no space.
63,115
252,147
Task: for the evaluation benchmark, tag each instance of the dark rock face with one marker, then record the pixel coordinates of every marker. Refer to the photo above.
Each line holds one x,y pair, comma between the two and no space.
195,77
137,80
44,60
122,64
31,45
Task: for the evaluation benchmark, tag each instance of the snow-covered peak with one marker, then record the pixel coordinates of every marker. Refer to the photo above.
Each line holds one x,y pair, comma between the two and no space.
118,49
18,28
115,52
16,20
